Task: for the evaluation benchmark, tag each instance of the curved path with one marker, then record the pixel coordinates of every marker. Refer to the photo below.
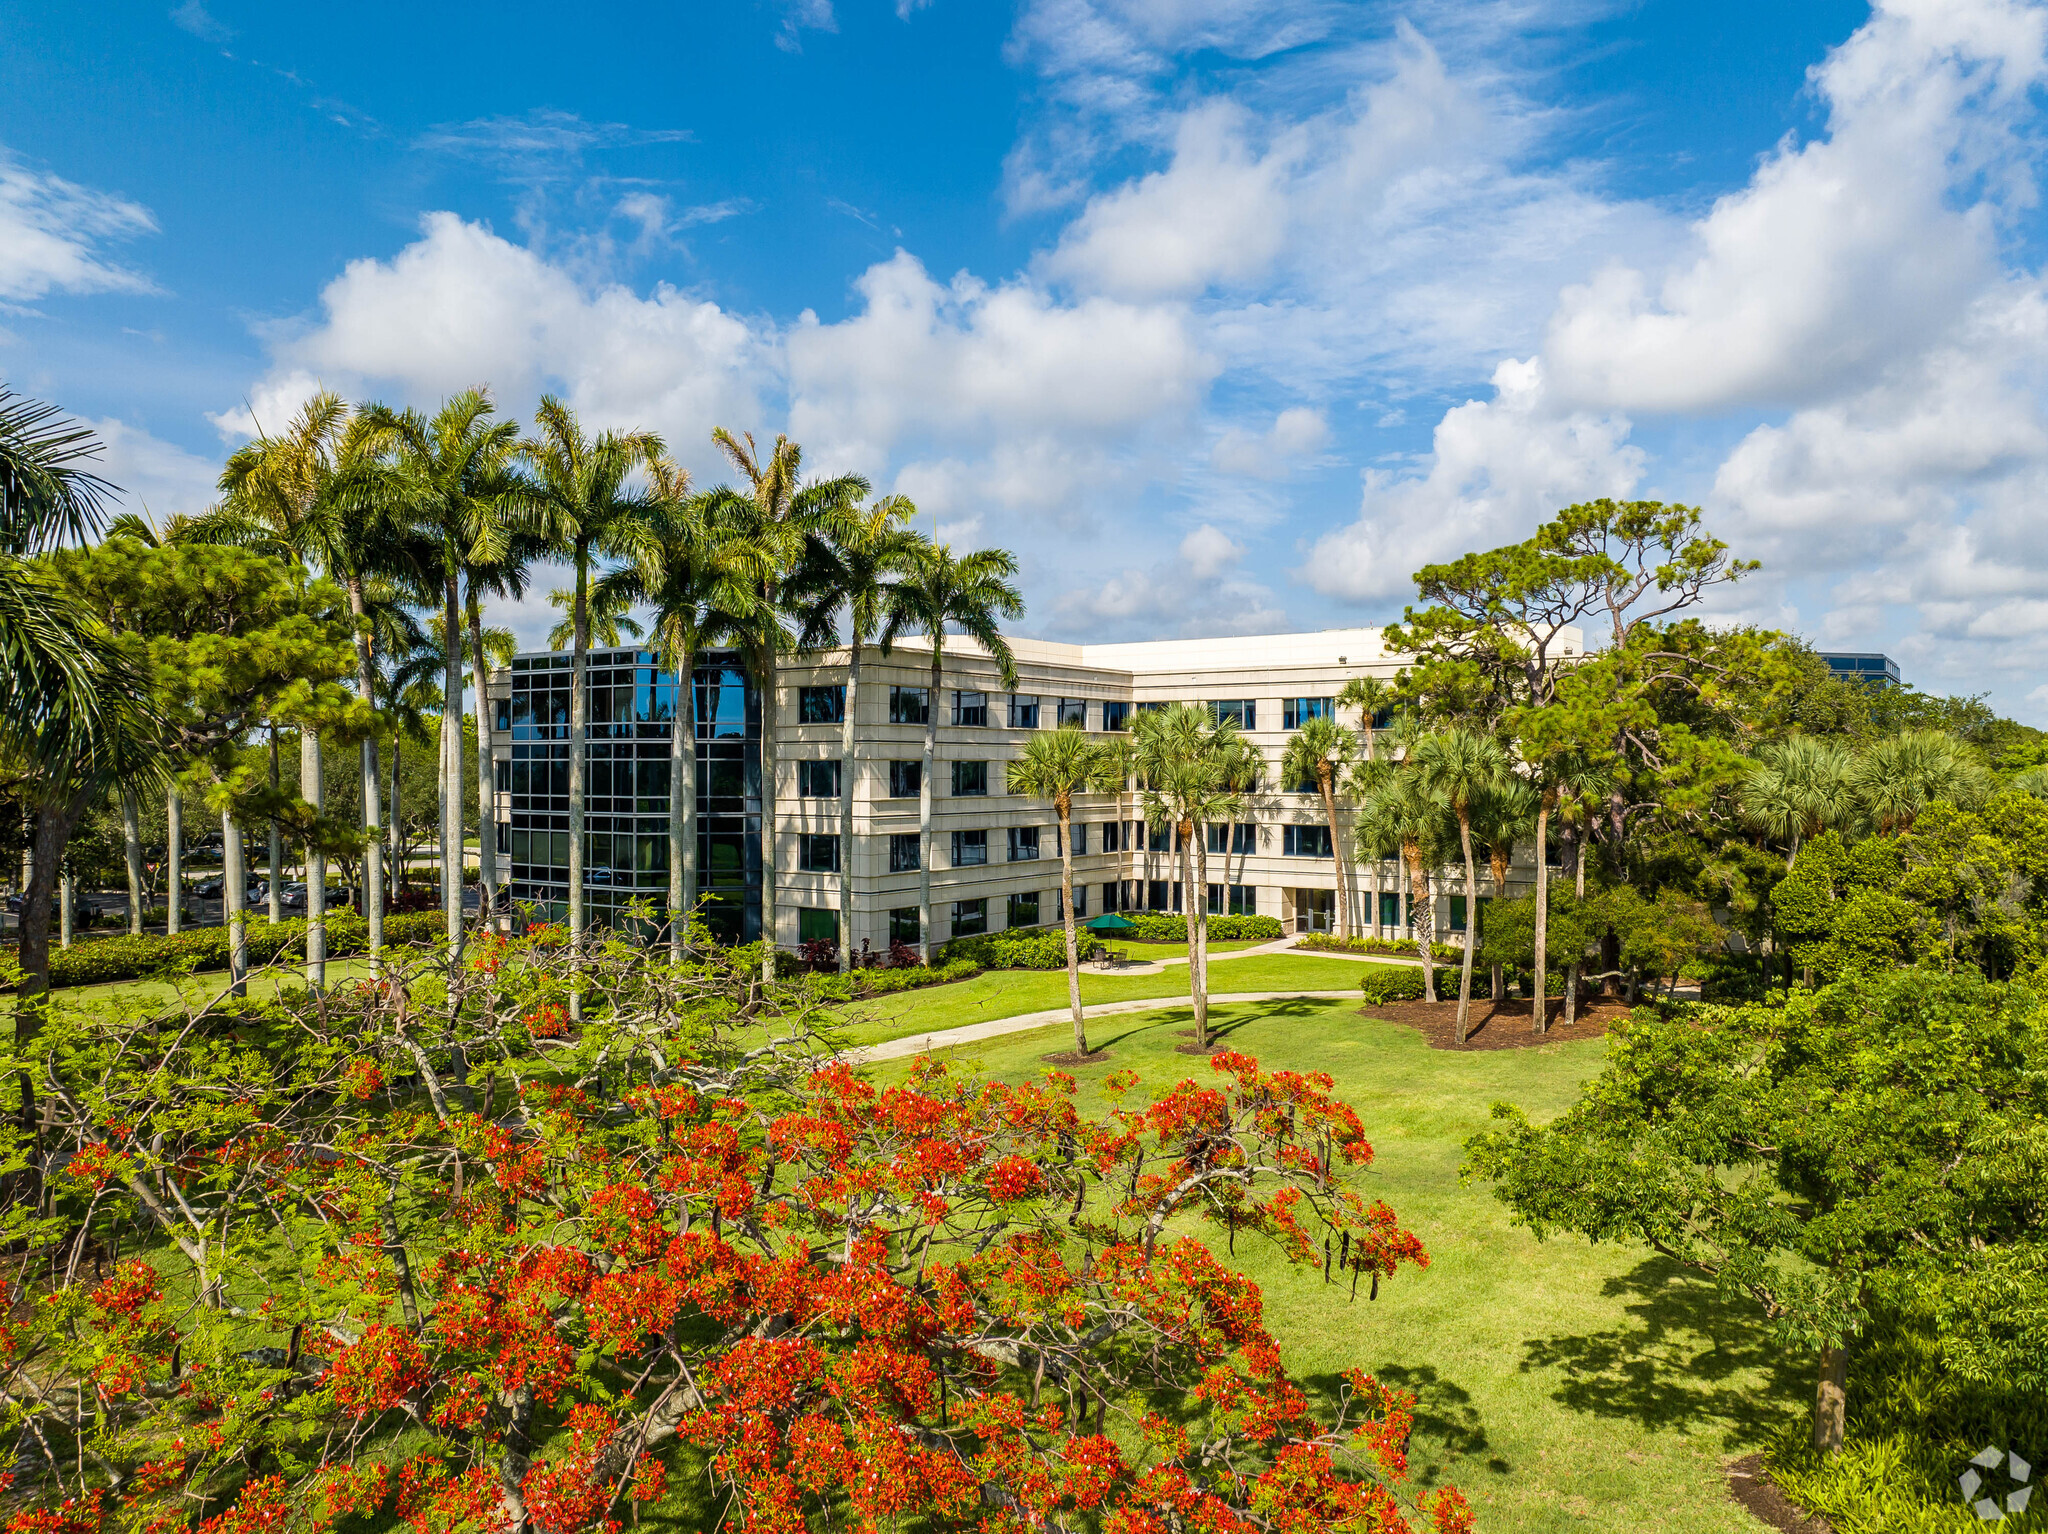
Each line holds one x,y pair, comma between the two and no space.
1024,1022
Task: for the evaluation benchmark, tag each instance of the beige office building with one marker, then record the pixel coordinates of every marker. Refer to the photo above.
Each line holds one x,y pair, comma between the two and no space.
996,857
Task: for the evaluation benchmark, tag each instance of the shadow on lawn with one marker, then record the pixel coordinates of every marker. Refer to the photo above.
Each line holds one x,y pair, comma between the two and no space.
1688,1358
1447,1425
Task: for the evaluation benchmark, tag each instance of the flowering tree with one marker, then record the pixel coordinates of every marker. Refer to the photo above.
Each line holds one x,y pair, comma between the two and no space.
446,1263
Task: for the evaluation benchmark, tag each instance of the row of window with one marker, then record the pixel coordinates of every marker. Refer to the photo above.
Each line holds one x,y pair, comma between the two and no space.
1028,711
1026,908
819,853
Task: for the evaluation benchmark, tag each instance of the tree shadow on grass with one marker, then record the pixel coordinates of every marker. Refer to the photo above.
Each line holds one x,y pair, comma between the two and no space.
1447,1425
1688,1358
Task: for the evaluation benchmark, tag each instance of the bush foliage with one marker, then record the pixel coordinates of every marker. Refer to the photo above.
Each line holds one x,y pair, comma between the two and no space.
152,957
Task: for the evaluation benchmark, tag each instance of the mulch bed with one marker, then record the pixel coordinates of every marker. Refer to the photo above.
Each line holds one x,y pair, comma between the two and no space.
1069,1057
1497,1024
1749,1484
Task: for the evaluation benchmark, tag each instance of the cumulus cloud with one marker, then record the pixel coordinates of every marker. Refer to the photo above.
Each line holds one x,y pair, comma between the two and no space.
1200,589
1295,433
54,235
155,478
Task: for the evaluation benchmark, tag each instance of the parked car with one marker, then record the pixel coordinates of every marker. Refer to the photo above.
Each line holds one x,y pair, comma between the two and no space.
82,910
210,889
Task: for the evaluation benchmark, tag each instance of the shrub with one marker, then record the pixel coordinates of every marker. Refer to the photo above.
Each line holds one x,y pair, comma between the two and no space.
1384,983
1162,927
1324,942
206,948
866,983
1035,949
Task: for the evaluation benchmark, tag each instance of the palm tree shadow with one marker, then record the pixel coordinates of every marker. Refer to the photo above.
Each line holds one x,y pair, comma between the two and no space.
1688,1357
1447,1424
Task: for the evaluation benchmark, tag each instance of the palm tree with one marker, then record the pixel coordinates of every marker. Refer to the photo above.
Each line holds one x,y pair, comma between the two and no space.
1319,753
1461,766
461,501
611,621
1056,765
1795,789
1896,779
587,508
1371,696
856,566
941,592
703,581
1397,813
1500,815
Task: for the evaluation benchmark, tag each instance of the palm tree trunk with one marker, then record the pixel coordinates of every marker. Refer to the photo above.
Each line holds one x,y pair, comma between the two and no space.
66,903
1198,916
1197,992
50,831
276,843
1326,782
373,850
313,790
1539,1014
924,804
398,868
1422,917
234,888
486,768
451,773
131,848
682,806
849,775
1471,923
1065,806
174,859
579,712
769,721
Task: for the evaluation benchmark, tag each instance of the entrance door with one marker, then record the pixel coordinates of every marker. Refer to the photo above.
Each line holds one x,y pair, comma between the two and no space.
1315,910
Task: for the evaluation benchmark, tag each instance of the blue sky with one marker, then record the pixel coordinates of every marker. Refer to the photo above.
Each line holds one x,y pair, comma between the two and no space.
1225,314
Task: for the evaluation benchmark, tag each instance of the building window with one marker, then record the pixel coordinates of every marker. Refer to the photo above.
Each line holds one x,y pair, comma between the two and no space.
1023,844
969,917
908,705
1305,841
970,708
1244,900
503,774
1073,711
1080,840
1111,896
1390,909
1112,836
1116,716
1023,910
817,854
815,926
504,713
1242,712
906,853
1161,839
1296,712
1155,894
1059,904
970,779
970,848
820,705
906,779
1457,913
1244,838
903,924
504,838
1023,712
817,780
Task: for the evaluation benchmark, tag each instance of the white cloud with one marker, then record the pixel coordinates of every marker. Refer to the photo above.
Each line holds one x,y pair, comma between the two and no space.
800,16
54,234
1296,433
192,16
1208,552
1200,589
156,478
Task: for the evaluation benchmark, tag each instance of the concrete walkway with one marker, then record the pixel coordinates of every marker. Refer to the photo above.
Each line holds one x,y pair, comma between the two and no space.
974,1033
1279,945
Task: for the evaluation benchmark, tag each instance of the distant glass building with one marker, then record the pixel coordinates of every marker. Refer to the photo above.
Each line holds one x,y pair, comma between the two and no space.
1872,670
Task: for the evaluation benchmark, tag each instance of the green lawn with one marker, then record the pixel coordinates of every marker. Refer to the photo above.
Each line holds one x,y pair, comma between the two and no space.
1008,992
1563,1386
1152,953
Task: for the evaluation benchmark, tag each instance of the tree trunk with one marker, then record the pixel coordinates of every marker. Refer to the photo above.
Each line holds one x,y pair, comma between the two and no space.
66,902
131,856
234,890
50,831
1326,781
373,850
924,803
1471,923
1198,993
769,721
1539,1014
486,769
682,806
1422,917
313,789
398,868
1065,806
451,776
174,860
276,842
1373,898
579,713
1831,1399
1198,921
849,775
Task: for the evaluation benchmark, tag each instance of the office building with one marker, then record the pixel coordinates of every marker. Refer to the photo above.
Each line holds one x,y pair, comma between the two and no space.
996,861
1871,670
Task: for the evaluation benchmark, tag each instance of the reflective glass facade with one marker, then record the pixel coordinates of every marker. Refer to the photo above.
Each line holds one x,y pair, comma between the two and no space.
631,713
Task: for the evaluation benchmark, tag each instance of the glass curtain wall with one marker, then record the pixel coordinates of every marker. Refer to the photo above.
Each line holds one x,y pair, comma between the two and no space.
625,857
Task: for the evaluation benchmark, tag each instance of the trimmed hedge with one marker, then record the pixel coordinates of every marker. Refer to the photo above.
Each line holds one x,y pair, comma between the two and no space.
1324,942
1160,927
866,983
1384,983
1035,948
206,948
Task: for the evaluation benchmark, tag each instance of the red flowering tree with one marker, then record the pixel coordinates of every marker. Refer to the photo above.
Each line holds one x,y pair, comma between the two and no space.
393,1258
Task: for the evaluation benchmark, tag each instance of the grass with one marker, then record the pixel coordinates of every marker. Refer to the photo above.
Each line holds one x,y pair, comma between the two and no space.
1152,953
1562,1386
1008,992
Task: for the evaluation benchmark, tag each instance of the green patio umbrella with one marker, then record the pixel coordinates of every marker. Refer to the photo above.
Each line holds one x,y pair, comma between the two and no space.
1109,921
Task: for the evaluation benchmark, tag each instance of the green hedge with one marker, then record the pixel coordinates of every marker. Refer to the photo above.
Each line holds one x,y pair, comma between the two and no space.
1324,942
1159,927
1036,948
206,948
865,983
1384,983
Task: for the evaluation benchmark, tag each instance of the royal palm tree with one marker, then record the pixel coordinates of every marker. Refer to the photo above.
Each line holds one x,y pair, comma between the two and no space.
1461,766
1319,753
1795,789
589,507
1397,813
854,567
611,622
1896,779
1057,765
461,503
943,592
1371,696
